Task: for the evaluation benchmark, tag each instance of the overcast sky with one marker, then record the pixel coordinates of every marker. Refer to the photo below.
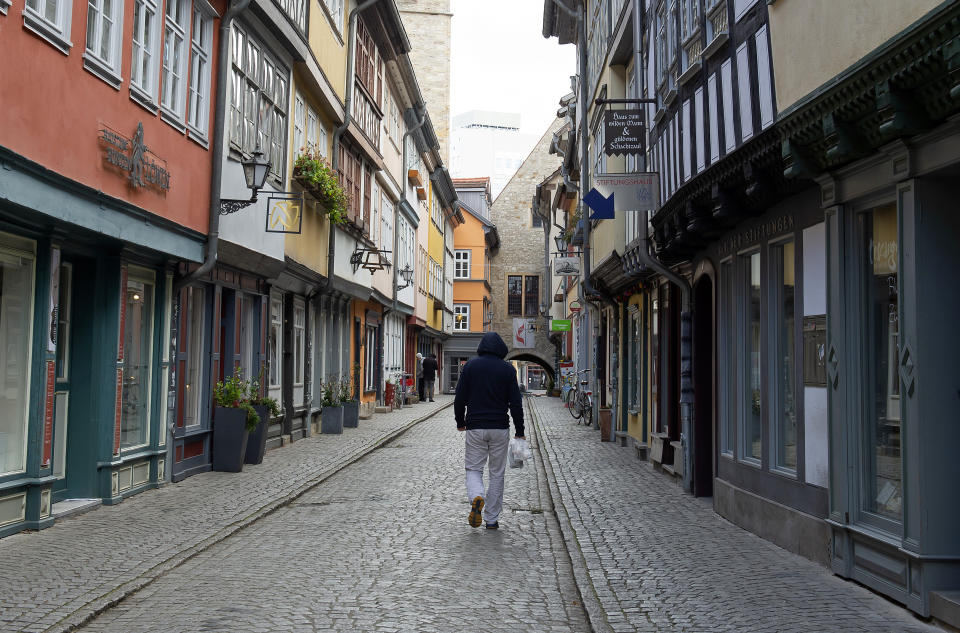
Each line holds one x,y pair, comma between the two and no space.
500,61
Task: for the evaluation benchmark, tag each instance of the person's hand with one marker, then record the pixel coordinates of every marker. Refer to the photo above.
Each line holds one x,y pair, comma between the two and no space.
461,428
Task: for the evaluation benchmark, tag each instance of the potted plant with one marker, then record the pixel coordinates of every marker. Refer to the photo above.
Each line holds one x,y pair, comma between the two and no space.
315,174
266,408
351,408
331,413
233,419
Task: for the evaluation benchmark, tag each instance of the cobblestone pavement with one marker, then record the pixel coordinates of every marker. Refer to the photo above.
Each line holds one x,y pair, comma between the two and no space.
383,545
55,578
660,560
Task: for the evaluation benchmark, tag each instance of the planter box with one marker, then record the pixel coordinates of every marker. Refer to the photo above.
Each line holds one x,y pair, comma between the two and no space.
331,420
229,439
257,442
351,414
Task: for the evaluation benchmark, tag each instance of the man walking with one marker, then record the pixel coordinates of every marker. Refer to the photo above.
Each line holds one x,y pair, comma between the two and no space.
419,377
430,374
486,390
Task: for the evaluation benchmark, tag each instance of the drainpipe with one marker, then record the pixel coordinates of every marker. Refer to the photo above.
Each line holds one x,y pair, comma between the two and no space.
216,176
649,260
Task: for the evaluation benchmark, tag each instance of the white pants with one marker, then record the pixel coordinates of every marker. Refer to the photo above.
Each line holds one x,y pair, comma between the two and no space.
487,447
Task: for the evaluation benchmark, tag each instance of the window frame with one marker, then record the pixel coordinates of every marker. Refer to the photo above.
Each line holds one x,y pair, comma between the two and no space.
515,297
299,342
173,100
462,257
56,31
106,68
745,352
275,343
23,249
146,277
370,359
527,295
199,79
143,89
464,309
775,338
334,14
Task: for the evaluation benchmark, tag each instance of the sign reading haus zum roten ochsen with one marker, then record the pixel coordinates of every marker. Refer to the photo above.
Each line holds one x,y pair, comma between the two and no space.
131,156
623,132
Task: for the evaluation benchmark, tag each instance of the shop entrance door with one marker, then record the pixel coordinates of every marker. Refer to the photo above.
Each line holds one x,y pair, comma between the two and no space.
61,395
703,382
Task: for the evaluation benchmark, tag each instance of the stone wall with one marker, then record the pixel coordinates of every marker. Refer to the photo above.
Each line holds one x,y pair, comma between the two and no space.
521,245
428,27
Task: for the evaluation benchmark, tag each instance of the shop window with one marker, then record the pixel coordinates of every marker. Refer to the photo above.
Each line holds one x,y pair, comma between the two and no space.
655,387
299,316
784,361
726,360
196,342
249,329
16,318
750,427
138,360
275,341
64,331
882,465
370,373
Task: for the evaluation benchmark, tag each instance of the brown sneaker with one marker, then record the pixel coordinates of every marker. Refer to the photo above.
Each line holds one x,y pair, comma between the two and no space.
476,512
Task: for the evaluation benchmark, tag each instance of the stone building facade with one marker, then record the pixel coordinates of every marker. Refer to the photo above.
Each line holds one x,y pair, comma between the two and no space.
521,252
428,25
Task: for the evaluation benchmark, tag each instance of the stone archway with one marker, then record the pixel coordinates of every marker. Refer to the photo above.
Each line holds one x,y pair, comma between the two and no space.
528,357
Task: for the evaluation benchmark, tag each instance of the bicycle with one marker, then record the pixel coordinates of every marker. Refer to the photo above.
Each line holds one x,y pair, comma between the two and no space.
580,400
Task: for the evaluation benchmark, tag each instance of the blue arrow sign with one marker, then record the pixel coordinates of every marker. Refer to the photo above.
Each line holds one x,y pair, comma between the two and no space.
602,207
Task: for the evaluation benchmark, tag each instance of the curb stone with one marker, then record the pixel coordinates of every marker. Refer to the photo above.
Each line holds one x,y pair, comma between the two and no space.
92,608
596,615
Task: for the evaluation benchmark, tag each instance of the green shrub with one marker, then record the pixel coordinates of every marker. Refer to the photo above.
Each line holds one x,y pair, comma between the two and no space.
234,393
321,180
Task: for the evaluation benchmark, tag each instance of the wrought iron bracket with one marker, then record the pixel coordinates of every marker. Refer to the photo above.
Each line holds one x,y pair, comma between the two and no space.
232,205
368,258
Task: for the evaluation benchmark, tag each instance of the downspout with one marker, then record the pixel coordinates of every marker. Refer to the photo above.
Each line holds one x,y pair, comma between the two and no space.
347,105
216,176
649,260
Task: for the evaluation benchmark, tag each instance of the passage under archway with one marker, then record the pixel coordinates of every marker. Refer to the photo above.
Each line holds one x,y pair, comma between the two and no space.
533,358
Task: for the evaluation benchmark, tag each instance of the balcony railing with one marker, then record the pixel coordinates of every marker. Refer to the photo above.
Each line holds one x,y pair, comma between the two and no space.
366,115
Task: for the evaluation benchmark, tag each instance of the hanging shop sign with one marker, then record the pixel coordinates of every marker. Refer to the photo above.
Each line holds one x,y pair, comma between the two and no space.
134,157
575,306
630,192
284,212
561,325
624,132
566,266
522,334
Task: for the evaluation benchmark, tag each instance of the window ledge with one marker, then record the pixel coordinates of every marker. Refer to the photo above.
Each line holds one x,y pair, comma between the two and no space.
102,70
4,5
718,41
172,119
43,28
198,137
659,115
670,97
689,73
143,99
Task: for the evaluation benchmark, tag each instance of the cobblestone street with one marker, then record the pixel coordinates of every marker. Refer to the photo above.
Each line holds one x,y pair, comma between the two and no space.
382,544
660,560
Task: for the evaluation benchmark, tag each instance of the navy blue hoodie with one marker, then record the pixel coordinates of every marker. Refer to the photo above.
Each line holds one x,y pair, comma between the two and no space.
487,388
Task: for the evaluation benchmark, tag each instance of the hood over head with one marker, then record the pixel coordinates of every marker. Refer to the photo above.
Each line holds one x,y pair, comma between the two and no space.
491,343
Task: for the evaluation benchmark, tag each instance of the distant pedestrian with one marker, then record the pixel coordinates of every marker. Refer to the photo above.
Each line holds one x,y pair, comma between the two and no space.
430,374
419,377
486,391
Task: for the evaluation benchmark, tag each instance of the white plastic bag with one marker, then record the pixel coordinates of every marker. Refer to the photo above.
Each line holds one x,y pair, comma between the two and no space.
518,453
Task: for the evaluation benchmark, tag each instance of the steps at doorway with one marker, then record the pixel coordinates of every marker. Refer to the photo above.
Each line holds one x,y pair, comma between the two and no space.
945,606
73,507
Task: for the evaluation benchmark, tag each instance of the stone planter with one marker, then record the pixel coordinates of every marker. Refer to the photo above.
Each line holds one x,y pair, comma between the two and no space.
351,414
229,439
331,420
257,442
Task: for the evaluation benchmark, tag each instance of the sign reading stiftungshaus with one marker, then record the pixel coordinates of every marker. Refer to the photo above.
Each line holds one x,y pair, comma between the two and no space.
623,132
131,155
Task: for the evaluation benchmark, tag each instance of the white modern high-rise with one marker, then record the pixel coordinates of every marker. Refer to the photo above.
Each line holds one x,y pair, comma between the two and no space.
490,144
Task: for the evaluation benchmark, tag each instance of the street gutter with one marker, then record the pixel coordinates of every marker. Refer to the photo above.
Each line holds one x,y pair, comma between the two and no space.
596,615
